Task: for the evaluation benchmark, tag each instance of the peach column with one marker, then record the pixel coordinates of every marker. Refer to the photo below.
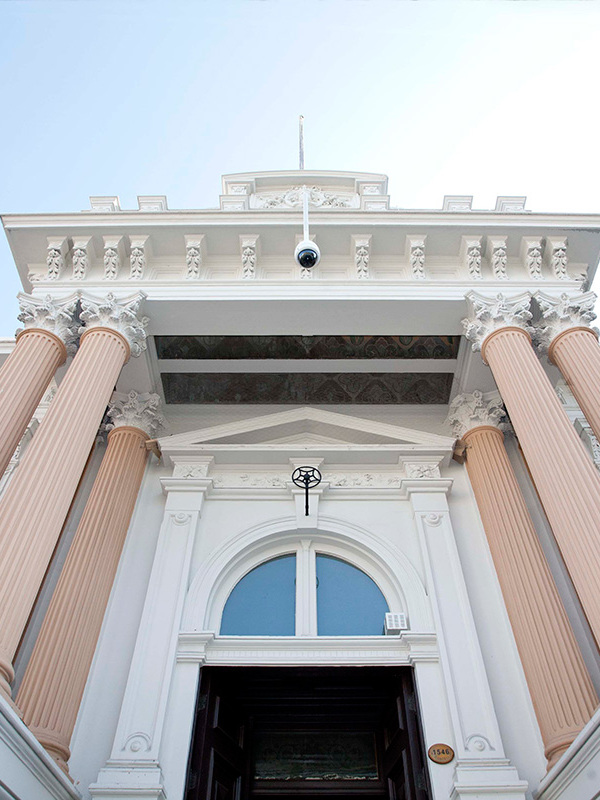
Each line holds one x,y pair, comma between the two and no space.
562,693
55,679
40,349
37,500
566,479
573,346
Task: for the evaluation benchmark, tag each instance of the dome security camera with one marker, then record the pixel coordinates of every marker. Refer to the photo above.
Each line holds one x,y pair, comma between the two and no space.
307,254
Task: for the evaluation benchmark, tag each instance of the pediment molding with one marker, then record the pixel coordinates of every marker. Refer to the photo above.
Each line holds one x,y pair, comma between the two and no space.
304,425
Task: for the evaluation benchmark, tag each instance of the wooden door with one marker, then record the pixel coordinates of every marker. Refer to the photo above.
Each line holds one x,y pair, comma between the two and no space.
403,758
218,763
238,709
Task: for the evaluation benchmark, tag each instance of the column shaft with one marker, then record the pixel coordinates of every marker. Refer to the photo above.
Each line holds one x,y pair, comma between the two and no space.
566,479
55,679
577,355
562,693
36,502
24,378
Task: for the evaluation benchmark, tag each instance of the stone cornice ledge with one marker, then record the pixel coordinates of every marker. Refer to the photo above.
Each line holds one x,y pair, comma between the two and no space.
205,648
575,774
426,486
31,763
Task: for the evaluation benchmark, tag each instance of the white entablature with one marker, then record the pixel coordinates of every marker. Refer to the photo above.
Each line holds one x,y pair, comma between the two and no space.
362,240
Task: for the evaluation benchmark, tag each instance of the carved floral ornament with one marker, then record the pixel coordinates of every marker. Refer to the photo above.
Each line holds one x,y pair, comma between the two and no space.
473,258
487,315
111,263
240,479
55,260
59,317
558,314
80,263
468,411
136,411
120,315
293,198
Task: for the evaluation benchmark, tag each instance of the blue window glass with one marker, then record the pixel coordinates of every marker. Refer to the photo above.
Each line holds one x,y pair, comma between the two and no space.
263,603
349,603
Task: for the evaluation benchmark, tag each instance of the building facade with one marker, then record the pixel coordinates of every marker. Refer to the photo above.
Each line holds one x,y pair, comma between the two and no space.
180,621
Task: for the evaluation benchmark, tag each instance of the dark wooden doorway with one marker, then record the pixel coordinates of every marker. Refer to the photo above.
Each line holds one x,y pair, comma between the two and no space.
267,733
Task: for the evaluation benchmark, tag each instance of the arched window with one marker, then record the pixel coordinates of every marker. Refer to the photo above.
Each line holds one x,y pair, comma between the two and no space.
305,594
263,603
349,603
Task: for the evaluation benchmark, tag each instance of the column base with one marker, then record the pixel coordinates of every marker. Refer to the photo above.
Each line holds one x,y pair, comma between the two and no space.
7,676
575,775
27,769
129,779
493,778
59,751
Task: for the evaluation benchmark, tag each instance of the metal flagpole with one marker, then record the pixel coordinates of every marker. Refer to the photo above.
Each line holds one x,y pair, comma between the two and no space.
301,138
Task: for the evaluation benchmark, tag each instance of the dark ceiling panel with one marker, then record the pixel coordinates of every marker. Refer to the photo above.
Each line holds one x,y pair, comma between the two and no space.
307,388
312,347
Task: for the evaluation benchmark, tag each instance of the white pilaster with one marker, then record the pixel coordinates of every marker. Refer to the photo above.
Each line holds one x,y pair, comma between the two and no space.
133,769
481,768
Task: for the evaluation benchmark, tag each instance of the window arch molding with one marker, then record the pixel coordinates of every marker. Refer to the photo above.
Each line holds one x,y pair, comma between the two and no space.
386,565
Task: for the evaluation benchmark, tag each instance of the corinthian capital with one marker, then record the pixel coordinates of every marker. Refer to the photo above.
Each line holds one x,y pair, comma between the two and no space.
469,411
487,314
561,313
120,315
59,317
135,410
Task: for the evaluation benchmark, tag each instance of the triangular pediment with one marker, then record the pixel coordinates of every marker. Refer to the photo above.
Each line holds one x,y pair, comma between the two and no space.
305,426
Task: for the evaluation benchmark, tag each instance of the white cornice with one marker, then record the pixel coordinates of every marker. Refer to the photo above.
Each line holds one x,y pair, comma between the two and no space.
280,290
274,218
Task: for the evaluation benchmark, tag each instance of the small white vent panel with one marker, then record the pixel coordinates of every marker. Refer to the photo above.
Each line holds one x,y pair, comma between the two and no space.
395,623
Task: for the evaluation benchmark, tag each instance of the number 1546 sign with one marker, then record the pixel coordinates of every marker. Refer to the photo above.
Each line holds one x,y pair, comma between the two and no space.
441,753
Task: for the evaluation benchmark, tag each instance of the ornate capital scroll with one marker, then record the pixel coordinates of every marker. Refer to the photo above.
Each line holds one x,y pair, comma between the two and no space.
415,247
471,253
55,256
134,410
138,256
193,255
120,315
472,411
362,254
59,317
498,256
249,254
487,315
561,313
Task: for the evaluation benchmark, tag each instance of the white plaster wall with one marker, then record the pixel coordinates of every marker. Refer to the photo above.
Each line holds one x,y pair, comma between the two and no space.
99,711
221,521
512,701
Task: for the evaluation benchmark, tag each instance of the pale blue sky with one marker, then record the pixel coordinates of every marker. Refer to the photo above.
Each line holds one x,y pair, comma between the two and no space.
481,97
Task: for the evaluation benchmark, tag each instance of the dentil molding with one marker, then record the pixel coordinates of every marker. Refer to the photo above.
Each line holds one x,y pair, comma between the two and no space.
120,315
469,411
56,316
487,314
558,314
135,410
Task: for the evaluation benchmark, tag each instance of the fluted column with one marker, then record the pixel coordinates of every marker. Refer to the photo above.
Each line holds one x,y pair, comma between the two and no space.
55,679
564,333
50,333
561,691
37,500
565,477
